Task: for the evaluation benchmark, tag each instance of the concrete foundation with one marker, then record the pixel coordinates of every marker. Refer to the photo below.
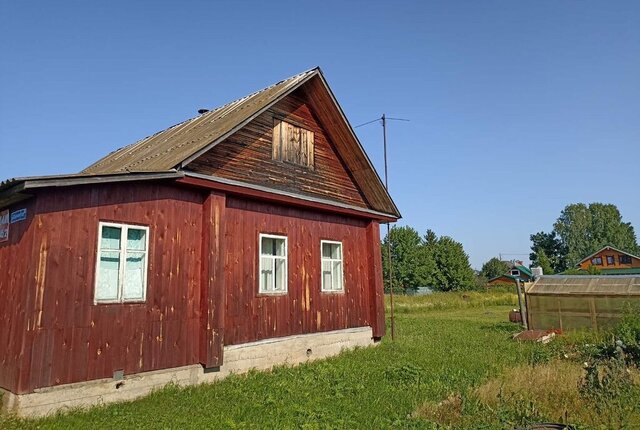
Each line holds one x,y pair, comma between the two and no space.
261,355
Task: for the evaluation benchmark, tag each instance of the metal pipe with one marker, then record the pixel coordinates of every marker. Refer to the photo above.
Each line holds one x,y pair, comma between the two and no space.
386,185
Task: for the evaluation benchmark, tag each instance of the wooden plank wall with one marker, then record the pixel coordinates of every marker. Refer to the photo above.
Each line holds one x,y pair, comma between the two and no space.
212,289
247,156
67,337
14,276
56,335
304,309
376,284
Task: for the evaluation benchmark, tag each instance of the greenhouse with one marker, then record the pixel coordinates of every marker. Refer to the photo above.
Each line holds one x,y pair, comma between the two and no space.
573,302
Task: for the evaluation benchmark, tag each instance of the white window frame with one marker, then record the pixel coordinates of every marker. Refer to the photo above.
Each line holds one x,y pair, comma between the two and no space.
332,260
123,259
261,289
515,272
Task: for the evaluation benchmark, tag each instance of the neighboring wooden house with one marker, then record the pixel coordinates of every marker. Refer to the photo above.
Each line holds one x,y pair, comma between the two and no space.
241,238
611,261
515,273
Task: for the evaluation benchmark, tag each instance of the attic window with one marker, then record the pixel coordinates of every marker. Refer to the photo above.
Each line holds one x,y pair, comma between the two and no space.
292,144
624,259
596,261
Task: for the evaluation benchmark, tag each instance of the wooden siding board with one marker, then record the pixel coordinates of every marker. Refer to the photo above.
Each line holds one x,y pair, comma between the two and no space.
212,290
247,156
376,290
58,335
73,340
304,308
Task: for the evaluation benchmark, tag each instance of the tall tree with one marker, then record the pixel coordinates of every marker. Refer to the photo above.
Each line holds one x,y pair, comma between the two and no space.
552,248
544,262
583,229
412,266
494,268
453,271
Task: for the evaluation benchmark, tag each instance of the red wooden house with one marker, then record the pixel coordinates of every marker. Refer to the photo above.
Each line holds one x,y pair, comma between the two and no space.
241,238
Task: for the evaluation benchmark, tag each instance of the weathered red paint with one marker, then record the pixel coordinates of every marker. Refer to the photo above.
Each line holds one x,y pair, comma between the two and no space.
57,333
202,290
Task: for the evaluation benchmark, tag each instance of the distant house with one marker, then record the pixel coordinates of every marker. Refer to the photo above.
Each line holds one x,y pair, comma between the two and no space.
515,273
611,261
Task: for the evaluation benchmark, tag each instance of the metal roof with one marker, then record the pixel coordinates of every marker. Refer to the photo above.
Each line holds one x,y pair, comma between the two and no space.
601,285
167,149
174,148
621,271
523,269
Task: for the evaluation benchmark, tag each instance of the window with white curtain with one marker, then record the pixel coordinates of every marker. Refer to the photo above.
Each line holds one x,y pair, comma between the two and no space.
273,264
121,270
332,279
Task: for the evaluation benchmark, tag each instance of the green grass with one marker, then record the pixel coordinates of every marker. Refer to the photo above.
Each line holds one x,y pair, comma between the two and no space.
446,344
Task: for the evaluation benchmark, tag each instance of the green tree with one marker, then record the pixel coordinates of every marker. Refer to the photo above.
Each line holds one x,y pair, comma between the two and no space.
583,229
552,248
544,262
494,268
412,266
452,269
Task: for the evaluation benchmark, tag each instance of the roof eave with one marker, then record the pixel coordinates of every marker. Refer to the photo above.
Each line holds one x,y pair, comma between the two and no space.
253,190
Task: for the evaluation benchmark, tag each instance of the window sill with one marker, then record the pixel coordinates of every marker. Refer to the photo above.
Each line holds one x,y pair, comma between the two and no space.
333,291
132,302
274,294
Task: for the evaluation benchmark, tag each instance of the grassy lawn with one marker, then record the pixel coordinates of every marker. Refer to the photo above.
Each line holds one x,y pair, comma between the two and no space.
447,345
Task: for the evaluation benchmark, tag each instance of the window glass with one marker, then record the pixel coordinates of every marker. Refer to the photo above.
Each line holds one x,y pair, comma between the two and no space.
331,250
134,276
136,239
273,264
121,273
266,273
326,274
280,275
332,273
108,276
110,237
273,246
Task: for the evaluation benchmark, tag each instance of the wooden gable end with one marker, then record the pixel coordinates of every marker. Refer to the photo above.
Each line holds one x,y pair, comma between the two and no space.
310,165
610,258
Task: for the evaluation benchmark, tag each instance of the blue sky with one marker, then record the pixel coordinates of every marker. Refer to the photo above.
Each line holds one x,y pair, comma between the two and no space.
517,108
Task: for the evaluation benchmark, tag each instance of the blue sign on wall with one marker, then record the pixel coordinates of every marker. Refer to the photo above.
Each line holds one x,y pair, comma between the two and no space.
19,215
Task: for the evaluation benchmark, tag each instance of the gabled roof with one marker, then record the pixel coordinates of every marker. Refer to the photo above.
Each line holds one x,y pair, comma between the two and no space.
177,146
606,248
523,269
171,147
515,278
605,285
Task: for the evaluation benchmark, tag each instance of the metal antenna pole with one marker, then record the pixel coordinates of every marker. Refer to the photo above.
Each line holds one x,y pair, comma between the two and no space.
386,185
